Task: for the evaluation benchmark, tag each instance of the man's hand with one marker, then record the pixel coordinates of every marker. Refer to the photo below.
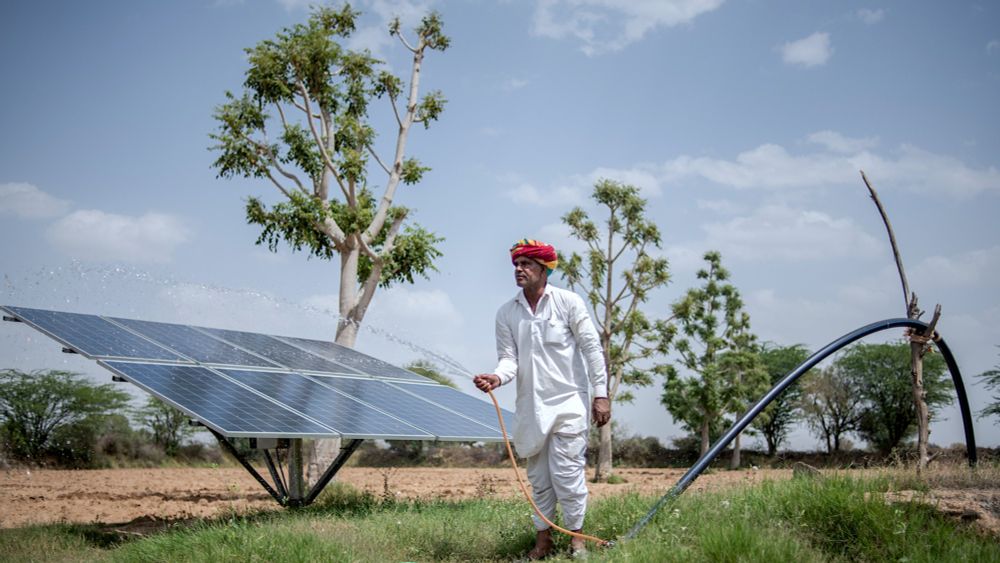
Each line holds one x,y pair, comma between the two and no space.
486,381
601,410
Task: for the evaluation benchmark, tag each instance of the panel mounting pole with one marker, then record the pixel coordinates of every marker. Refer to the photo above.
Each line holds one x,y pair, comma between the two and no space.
295,482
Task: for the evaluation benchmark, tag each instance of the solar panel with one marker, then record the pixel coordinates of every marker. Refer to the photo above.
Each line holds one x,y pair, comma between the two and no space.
452,399
218,402
91,335
195,344
256,385
443,423
348,416
281,353
360,363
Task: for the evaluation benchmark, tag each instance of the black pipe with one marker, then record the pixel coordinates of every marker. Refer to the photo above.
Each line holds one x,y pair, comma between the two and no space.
685,481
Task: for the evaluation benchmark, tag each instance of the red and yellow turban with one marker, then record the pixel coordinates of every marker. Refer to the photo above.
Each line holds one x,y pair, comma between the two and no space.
538,251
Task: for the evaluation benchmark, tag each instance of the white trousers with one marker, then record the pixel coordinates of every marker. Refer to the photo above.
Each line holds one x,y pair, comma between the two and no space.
557,473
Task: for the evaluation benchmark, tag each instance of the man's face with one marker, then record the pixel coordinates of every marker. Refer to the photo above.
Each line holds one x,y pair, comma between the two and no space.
528,273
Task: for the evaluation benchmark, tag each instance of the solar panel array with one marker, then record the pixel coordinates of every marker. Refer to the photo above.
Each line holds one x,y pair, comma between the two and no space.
245,384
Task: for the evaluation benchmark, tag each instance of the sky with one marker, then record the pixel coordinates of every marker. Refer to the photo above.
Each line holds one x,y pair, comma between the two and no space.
744,124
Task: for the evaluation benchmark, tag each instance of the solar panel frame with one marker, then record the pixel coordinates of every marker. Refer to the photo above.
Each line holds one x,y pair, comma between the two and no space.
393,400
336,353
309,390
318,430
401,400
274,349
484,414
154,331
83,347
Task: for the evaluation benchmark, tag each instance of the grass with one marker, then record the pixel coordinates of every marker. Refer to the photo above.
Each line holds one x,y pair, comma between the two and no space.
836,518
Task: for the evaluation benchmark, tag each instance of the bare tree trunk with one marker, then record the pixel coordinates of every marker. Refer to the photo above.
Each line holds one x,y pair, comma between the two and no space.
734,462
917,341
704,437
603,469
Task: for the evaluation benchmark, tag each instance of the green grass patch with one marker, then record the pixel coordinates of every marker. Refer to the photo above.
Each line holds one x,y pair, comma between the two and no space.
829,519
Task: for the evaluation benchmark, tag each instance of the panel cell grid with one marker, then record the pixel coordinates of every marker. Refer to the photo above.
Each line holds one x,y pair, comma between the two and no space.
194,344
444,424
279,352
344,414
361,363
480,411
93,336
218,402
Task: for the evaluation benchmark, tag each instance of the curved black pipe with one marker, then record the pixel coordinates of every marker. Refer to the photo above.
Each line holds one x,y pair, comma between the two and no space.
741,424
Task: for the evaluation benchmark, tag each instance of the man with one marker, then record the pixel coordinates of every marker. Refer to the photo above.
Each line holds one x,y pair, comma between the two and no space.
541,334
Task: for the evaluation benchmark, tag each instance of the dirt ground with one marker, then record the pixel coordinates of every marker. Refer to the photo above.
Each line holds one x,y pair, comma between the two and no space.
139,500
123,495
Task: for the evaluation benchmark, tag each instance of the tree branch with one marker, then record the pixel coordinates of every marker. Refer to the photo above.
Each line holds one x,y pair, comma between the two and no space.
319,140
378,221
372,152
895,248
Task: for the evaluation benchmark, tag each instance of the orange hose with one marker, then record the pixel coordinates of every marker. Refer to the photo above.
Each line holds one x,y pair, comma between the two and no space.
524,488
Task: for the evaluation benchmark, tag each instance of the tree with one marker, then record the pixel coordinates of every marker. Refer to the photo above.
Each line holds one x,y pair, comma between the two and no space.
714,345
742,368
167,425
431,371
879,374
617,274
992,380
783,412
830,405
39,405
302,124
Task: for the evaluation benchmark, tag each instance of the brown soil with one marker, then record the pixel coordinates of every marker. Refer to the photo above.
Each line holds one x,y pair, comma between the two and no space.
146,497
139,501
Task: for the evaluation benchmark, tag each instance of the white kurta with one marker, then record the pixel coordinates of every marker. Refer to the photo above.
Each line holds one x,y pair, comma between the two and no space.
542,350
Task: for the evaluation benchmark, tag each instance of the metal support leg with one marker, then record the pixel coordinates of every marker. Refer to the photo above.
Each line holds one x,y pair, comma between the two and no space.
275,476
345,454
246,465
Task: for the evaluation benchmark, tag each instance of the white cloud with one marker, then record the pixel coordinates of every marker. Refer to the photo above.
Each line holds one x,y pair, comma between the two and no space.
722,206
780,232
993,46
837,142
528,194
974,268
27,201
771,166
91,234
611,25
870,16
811,51
512,84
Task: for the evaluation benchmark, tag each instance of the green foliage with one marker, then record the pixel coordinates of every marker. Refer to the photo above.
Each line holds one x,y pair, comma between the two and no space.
783,412
830,405
880,375
53,412
430,370
618,274
832,519
717,347
168,426
302,123
991,378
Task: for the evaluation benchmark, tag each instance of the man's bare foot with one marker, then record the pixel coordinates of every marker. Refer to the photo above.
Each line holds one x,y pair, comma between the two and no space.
543,545
577,546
